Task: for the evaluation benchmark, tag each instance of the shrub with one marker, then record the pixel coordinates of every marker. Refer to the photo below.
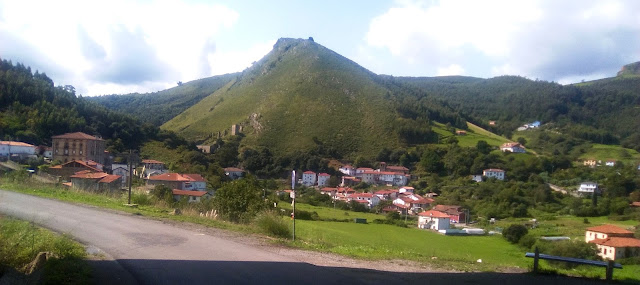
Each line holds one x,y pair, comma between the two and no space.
273,224
513,233
572,248
527,241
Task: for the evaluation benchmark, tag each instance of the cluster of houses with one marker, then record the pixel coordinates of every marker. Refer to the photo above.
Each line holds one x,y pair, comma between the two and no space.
406,202
613,242
593,162
385,175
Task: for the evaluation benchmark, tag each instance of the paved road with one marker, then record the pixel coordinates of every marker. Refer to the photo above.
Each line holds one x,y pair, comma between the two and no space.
152,252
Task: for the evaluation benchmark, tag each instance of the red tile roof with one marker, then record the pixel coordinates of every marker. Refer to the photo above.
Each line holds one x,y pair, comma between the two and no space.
77,136
618,242
109,178
308,172
84,164
149,161
609,229
635,204
12,143
324,174
189,193
433,213
168,177
494,170
512,144
194,177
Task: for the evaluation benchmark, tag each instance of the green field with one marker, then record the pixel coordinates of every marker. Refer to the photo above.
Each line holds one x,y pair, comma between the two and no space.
474,134
615,152
326,213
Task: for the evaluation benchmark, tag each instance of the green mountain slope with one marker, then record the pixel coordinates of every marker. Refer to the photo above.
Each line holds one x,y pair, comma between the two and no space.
603,111
158,107
299,94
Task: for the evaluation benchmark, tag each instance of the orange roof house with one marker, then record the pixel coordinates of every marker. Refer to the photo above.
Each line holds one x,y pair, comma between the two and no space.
613,242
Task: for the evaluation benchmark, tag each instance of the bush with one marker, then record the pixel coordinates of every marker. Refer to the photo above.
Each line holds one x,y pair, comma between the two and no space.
527,241
513,233
306,215
273,224
571,248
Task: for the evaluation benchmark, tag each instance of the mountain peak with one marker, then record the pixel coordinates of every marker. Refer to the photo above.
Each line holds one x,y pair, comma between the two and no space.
630,69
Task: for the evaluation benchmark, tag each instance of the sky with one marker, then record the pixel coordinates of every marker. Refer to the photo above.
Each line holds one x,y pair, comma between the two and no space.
119,47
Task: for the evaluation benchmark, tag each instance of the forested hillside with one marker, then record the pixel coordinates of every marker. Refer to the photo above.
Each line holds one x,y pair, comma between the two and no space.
605,111
158,107
32,110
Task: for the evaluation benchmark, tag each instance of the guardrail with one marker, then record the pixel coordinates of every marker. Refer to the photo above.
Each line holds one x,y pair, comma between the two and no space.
610,265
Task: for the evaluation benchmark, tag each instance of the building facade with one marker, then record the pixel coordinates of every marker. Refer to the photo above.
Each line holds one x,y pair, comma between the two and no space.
78,146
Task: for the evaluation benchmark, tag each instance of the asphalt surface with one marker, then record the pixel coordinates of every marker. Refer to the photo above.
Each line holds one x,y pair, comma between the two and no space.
137,250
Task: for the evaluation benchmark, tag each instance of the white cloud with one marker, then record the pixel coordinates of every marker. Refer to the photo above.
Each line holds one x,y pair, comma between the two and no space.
536,38
222,62
452,69
82,37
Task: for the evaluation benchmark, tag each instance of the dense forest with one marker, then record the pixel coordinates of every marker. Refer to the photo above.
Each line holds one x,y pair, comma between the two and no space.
32,110
603,111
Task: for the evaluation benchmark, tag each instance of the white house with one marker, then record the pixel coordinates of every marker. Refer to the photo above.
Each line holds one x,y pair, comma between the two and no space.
512,147
308,178
588,188
196,182
372,200
368,176
610,163
406,189
8,148
433,220
323,179
233,173
123,171
494,172
348,170
476,178
362,170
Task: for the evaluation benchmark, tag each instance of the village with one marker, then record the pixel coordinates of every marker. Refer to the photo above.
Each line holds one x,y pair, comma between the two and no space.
86,165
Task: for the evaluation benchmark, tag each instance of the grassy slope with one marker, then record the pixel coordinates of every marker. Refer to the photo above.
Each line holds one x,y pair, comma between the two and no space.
474,134
159,107
606,152
300,90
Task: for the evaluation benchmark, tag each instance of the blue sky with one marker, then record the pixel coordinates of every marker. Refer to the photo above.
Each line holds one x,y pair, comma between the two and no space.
118,46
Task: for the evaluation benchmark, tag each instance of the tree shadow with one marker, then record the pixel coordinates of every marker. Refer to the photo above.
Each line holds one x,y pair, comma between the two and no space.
156,272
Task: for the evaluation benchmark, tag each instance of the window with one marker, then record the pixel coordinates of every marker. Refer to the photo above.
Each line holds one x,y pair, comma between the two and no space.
80,151
66,151
74,151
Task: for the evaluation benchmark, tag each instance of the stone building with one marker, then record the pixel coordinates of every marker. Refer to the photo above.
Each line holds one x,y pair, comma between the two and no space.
78,146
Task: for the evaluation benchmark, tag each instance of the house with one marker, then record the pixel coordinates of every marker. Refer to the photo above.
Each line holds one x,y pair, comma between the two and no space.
476,178
371,199
233,173
588,188
369,176
151,167
192,196
494,172
20,149
362,170
512,147
78,146
96,181
635,204
533,125
387,194
610,163
349,181
613,242
393,168
193,182
323,179
308,178
348,170
406,189
589,162
461,133
433,220
456,213
68,169
413,202
122,170
492,123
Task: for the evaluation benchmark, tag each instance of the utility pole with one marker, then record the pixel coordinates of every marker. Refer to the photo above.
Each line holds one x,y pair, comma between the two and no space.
293,214
130,174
